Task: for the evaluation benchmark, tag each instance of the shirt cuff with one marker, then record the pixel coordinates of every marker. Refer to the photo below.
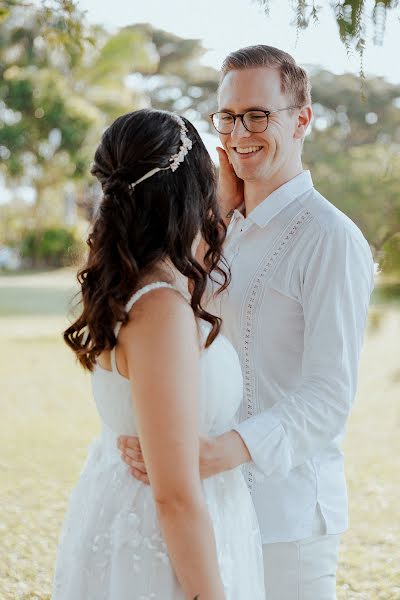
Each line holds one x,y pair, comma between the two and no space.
266,441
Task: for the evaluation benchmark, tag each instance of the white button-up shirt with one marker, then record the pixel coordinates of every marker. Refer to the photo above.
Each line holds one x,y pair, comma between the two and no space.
296,311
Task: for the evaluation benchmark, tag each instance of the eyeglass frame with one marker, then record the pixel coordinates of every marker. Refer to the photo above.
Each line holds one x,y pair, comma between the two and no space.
241,115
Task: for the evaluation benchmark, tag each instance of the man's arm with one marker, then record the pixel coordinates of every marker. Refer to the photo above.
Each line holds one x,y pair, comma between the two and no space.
337,283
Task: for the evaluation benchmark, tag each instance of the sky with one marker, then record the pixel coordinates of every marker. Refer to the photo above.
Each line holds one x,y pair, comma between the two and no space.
226,25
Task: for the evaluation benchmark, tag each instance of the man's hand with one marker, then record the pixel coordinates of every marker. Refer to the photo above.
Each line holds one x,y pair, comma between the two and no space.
217,454
131,453
222,453
230,187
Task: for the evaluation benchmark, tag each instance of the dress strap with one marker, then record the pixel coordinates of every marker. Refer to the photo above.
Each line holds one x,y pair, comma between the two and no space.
134,298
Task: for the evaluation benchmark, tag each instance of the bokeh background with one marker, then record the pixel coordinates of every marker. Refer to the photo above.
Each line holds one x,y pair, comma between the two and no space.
67,69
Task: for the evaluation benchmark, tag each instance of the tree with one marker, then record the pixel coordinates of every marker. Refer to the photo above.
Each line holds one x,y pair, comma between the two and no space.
55,102
353,154
178,82
61,22
351,16
43,122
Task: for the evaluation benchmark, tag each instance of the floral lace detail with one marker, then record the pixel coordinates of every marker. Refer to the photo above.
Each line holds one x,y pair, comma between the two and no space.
269,263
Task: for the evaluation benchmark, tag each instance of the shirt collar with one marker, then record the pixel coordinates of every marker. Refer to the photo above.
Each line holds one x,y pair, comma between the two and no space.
262,214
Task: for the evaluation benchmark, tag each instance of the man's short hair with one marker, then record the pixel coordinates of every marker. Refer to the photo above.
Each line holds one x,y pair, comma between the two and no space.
295,81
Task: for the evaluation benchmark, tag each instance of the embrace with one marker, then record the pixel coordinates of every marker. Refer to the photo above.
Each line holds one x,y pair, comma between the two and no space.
222,324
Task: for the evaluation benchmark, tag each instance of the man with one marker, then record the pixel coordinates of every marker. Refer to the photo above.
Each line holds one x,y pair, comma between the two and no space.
296,310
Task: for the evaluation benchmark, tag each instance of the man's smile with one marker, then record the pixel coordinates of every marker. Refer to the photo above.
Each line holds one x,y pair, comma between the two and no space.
247,151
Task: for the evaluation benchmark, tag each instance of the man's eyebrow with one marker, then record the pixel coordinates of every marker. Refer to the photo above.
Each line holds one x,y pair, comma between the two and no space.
229,110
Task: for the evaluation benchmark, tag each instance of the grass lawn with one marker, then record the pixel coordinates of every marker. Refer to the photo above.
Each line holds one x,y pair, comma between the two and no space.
49,420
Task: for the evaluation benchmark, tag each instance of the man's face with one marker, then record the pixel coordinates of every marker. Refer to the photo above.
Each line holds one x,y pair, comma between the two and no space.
276,148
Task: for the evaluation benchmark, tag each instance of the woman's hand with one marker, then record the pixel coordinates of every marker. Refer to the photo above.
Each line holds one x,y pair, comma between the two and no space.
230,187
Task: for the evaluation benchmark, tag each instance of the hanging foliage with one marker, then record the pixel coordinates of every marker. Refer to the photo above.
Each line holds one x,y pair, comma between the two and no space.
61,22
351,17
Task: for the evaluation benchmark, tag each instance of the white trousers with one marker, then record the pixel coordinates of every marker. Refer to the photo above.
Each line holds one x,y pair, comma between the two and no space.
303,569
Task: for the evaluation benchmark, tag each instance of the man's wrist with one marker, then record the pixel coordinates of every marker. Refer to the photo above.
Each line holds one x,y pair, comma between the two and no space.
230,451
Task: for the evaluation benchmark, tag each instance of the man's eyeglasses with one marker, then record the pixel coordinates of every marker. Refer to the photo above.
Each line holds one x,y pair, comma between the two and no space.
255,121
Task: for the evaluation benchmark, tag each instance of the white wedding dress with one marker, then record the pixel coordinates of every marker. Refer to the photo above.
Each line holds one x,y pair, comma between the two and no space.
111,547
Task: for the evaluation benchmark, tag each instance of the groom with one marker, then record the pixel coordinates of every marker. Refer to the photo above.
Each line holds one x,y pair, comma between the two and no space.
296,310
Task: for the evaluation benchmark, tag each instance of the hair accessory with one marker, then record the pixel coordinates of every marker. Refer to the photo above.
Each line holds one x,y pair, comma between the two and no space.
176,159
187,144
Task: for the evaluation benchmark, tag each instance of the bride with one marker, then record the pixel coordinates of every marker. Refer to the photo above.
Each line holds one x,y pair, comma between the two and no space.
160,370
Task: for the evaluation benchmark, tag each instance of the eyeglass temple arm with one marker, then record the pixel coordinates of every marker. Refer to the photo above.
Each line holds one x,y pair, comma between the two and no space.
280,109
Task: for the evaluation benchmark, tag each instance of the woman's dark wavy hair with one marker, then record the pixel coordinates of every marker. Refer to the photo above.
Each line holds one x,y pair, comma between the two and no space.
135,229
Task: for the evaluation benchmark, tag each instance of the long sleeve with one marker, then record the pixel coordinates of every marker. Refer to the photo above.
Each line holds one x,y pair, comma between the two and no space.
336,285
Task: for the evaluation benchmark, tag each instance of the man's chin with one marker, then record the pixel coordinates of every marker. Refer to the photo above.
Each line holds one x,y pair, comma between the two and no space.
247,174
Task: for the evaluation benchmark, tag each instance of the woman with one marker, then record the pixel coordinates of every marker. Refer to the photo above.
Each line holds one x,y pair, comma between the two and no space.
160,371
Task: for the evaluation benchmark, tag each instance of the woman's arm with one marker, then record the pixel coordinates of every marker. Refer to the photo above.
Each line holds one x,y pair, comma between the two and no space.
161,349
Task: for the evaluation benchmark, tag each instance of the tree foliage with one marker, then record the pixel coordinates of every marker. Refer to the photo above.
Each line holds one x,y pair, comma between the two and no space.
179,82
60,22
51,246
54,104
353,154
44,122
351,17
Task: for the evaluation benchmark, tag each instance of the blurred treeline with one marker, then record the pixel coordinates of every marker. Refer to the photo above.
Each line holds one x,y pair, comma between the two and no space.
56,98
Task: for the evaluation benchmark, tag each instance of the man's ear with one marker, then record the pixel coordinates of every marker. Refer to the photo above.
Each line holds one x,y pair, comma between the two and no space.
303,121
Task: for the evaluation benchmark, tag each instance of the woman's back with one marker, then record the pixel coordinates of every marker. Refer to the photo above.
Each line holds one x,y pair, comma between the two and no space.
220,389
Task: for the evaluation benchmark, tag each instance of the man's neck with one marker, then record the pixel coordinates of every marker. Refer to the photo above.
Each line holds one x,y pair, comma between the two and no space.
256,192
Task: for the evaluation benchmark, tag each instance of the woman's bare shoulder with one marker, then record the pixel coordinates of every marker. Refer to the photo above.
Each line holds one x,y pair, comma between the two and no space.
159,311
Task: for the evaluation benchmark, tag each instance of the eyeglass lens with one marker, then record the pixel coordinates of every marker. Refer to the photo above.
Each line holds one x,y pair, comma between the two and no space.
255,121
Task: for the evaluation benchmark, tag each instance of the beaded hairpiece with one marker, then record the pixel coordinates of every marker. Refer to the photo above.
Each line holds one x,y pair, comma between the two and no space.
175,159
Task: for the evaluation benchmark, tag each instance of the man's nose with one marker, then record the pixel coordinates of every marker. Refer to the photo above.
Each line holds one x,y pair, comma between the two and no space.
239,131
